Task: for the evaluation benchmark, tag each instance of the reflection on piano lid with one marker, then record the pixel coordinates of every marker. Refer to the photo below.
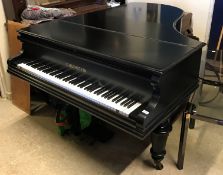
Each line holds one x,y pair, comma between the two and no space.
128,65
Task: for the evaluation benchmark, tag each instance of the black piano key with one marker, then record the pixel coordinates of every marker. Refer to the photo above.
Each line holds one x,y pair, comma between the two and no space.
84,84
63,75
102,92
102,85
41,63
131,104
55,67
90,80
123,92
74,81
50,69
134,99
42,67
99,87
95,85
109,93
93,88
47,66
60,76
130,98
32,62
81,84
68,78
105,94
116,98
116,92
99,91
61,72
128,103
113,93
72,77
122,96
57,72
120,99
106,88
38,64
78,80
125,101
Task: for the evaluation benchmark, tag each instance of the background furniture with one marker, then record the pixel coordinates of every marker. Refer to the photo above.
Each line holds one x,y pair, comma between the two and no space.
14,8
2,80
20,88
210,107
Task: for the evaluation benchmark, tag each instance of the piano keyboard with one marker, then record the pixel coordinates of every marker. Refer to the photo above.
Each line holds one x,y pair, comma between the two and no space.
111,97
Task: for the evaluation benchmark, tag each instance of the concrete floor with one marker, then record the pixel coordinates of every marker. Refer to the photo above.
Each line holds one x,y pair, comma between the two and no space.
30,145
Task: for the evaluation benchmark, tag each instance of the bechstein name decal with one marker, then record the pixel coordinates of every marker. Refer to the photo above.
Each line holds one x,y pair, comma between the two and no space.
75,67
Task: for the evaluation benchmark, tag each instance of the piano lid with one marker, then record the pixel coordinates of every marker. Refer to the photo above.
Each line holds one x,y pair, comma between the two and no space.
155,21
137,33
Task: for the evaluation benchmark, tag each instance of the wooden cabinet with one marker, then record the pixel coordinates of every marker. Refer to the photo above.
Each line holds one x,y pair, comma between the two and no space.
20,88
21,94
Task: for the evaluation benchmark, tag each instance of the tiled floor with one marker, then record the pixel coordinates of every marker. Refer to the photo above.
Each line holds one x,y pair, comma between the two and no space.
30,145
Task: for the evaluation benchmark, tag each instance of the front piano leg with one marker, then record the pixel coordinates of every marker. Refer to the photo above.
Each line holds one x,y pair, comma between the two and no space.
159,138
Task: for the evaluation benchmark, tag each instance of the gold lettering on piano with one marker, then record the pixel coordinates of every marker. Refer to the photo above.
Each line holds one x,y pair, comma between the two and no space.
78,68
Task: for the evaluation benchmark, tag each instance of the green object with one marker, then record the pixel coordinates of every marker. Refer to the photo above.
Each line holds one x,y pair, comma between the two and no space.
60,121
85,119
64,124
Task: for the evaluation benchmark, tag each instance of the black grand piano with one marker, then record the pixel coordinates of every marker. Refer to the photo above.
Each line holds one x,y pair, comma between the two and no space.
128,66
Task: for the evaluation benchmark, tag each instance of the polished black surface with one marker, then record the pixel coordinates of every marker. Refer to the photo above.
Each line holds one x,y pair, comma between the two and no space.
138,33
154,21
115,55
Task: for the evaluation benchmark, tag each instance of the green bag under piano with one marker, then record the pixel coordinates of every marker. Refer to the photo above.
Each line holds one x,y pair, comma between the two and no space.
69,118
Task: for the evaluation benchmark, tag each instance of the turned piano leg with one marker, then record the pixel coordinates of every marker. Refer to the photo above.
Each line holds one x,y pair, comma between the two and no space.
159,138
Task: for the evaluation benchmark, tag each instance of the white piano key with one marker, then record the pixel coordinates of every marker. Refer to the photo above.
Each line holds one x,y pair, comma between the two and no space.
98,99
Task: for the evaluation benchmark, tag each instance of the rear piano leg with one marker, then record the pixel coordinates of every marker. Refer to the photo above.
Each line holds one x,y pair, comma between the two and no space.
159,138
